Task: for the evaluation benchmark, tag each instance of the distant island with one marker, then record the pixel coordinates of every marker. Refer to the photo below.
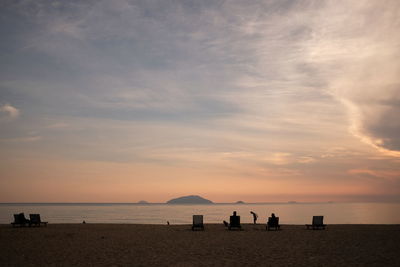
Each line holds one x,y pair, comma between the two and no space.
193,199
143,202
239,202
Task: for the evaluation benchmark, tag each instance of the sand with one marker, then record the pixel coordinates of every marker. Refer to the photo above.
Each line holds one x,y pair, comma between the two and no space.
177,245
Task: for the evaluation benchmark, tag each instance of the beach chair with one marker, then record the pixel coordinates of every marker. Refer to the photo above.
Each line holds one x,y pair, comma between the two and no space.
19,219
273,223
234,222
198,222
317,223
35,220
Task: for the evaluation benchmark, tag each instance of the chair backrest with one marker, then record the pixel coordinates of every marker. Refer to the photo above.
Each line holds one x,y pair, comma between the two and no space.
197,219
35,218
234,220
20,218
318,220
16,218
273,221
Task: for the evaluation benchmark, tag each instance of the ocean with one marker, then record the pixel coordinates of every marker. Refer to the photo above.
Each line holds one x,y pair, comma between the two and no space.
289,213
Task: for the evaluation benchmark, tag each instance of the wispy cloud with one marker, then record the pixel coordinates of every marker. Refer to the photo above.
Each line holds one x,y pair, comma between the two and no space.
22,139
8,112
57,125
353,47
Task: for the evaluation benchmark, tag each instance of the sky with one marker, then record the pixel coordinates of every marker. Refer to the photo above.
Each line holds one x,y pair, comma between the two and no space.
259,101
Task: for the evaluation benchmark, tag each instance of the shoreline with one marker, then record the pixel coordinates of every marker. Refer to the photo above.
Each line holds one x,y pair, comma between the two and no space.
108,244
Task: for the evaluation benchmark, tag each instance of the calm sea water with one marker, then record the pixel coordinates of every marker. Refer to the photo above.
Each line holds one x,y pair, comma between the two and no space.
335,213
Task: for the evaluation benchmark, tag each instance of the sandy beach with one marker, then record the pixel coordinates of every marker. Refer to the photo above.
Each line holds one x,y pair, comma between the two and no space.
177,245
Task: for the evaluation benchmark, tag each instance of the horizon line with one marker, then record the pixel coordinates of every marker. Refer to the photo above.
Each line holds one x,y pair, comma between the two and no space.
213,203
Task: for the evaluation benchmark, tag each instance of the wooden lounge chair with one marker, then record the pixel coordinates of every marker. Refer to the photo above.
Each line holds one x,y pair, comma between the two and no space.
234,222
19,219
198,222
317,223
273,223
35,220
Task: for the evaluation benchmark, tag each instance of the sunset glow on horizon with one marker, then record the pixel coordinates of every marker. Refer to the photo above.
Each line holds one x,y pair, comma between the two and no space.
262,101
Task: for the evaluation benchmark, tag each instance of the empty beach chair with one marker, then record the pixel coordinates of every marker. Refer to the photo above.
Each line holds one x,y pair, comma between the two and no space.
273,223
234,222
198,222
317,223
35,220
19,219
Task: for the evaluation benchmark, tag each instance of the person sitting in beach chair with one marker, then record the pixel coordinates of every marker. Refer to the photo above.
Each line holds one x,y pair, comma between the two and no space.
35,220
19,219
197,222
273,223
234,222
317,223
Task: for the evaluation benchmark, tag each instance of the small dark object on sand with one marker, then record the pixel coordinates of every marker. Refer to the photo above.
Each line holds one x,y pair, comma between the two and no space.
226,223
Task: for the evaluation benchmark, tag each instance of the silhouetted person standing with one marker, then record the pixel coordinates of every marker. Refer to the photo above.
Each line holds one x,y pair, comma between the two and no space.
255,216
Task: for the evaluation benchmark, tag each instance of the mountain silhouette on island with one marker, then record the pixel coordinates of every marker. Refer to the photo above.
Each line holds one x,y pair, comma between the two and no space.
193,199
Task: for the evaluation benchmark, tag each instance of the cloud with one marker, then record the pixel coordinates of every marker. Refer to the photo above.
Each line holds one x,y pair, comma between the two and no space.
376,174
282,158
22,139
57,125
8,112
184,64
354,47
277,67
